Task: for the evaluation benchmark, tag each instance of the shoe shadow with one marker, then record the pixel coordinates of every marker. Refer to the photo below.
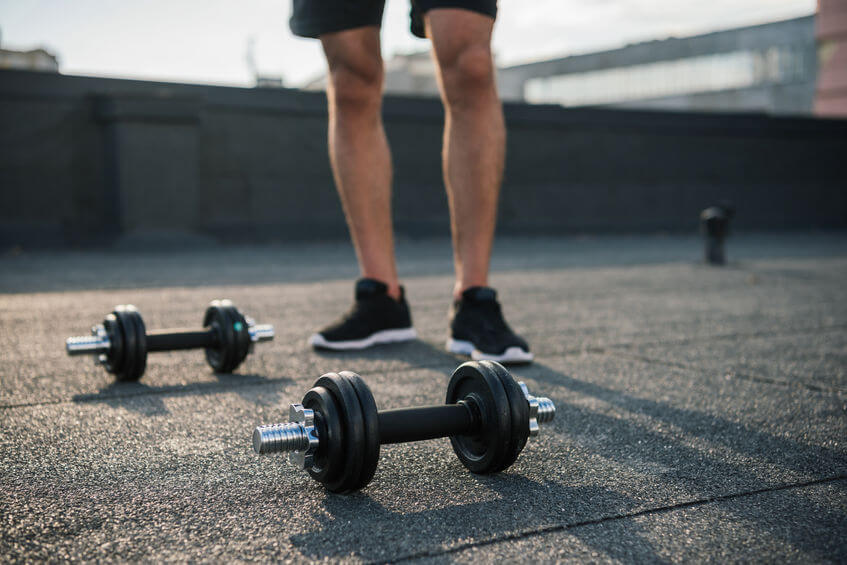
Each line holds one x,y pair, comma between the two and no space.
402,357
738,436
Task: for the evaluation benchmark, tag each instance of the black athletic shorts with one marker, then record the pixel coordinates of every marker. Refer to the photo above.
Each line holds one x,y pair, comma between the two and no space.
311,18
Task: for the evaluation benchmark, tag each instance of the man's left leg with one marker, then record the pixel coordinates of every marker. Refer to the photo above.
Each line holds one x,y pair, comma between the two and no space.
473,156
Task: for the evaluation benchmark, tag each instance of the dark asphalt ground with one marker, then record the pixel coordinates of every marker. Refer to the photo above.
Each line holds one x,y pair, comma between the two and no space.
702,412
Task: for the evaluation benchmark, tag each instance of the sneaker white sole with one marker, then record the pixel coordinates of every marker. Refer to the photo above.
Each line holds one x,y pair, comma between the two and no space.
384,336
511,355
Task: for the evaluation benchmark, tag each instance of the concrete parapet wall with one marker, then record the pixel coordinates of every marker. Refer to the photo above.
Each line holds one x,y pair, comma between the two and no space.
90,160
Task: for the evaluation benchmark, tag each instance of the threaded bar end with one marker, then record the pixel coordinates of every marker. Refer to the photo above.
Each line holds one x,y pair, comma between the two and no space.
261,332
277,438
86,345
546,410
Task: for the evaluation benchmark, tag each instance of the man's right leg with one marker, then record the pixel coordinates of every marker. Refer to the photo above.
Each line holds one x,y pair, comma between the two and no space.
358,148
361,165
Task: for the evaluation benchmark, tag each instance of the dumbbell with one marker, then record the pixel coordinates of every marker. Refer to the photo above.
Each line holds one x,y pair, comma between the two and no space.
121,342
335,432
714,225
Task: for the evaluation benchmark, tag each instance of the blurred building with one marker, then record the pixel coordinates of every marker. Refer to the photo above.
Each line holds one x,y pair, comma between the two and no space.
268,81
260,80
411,73
770,67
832,49
35,60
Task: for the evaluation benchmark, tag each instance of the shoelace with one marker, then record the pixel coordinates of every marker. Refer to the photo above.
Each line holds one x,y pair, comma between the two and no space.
349,315
357,310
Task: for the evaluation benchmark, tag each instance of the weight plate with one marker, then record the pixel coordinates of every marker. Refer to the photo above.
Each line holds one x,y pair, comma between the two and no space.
485,451
141,342
128,369
370,415
241,334
115,355
217,317
329,459
353,425
519,408
121,368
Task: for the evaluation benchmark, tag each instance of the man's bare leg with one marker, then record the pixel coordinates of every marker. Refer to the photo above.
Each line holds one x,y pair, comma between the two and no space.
358,148
474,151
361,165
474,136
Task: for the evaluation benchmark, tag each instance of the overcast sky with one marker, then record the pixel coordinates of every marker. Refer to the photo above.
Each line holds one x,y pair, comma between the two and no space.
206,40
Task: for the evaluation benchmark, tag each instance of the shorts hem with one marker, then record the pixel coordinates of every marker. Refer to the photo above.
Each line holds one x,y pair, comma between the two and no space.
484,7
315,31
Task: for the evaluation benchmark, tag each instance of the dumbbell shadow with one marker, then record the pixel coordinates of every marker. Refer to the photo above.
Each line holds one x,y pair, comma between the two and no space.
517,507
149,400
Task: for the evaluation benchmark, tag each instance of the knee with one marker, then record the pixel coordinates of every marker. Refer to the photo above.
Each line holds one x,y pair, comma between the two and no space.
468,76
355,84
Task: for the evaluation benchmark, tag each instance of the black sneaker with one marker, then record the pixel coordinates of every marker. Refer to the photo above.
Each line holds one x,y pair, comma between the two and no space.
477,328
374,318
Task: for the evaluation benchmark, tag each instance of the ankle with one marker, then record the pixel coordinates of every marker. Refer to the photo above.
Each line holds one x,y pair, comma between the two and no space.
461,287
393,288
394,291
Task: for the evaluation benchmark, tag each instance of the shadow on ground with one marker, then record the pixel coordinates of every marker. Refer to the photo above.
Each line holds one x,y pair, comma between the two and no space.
148,400
738,437
419,354
454,522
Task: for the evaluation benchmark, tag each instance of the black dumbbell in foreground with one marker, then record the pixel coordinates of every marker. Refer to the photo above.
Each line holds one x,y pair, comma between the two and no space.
121,342
335,433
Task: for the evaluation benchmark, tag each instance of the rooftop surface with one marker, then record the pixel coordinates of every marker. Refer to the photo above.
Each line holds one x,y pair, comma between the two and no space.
701,412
